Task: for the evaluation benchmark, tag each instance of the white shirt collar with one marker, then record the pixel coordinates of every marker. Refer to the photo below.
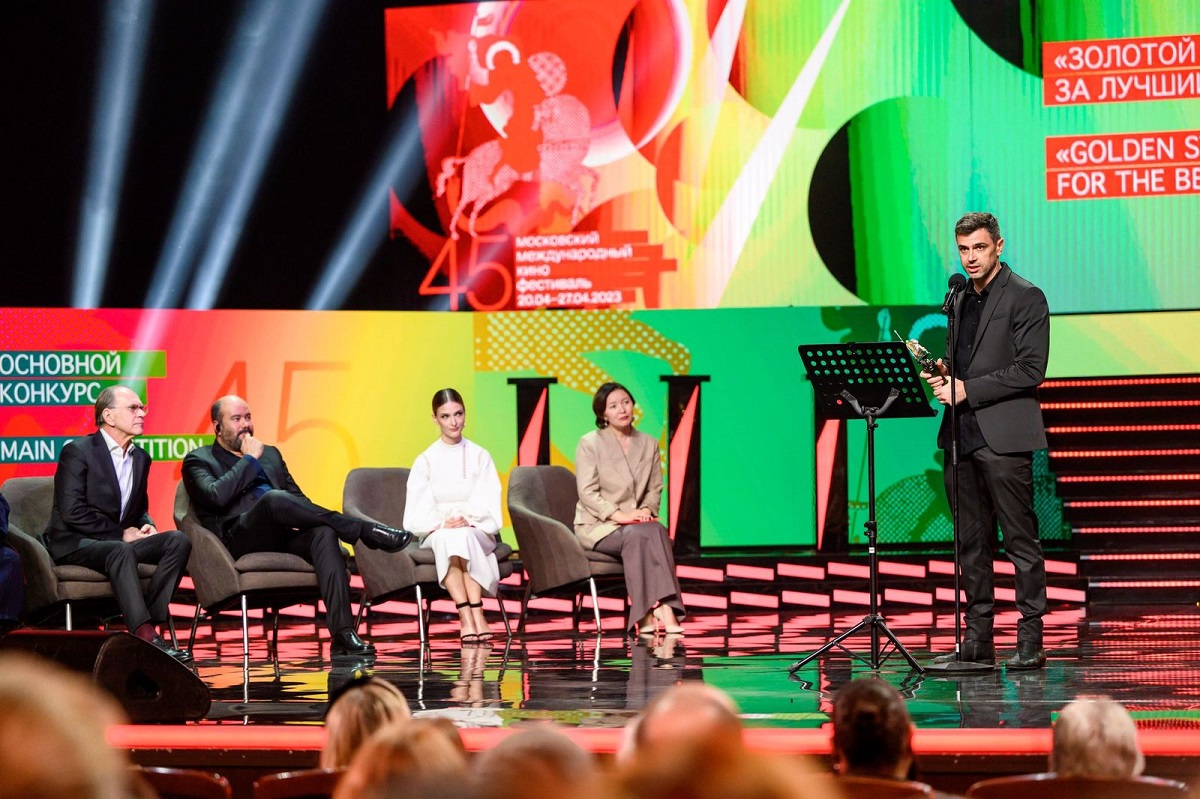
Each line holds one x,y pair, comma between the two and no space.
114,448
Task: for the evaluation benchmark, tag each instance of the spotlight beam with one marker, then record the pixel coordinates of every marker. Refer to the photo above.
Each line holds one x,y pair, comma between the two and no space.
232,96
122,58
279,71
363,233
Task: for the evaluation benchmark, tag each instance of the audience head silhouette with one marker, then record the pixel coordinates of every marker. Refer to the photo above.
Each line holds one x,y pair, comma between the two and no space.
1096,737
872,732
691,716
52,743
416,757
683,773
362,707
537,763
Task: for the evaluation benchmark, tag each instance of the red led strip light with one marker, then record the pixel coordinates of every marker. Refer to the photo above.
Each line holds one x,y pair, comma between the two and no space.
910,597
1144,556
955,743
699,573
1125,381
1148,584
1131,503
753,600
1065,594
1079,406
1120,453
805,598
1190,528
1124,428
750,572
902,569
1125,478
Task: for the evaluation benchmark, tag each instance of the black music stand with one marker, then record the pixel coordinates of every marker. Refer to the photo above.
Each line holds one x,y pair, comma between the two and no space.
866,381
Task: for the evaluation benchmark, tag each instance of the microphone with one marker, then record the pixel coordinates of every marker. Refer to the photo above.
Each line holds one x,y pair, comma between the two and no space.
957,283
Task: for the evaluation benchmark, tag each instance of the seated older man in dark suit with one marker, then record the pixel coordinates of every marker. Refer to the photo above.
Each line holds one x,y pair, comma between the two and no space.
100,516
244,492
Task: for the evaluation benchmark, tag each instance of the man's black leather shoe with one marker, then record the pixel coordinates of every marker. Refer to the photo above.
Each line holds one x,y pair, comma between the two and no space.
388,539
1029,656
346,643
972,652
182,655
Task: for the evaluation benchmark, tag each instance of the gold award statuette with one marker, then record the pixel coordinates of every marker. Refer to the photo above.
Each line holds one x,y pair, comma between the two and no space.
920,354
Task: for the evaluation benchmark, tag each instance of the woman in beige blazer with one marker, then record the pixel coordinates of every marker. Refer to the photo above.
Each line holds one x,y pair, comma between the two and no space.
619,477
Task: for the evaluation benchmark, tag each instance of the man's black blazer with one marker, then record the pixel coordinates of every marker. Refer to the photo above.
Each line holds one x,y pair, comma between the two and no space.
1008,363
218,483
87,497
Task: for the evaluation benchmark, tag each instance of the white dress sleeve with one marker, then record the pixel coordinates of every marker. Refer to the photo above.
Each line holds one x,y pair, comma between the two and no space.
421,515
483,506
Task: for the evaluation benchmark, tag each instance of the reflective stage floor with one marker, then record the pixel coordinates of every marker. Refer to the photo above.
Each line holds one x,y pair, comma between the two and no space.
266,718
1147,658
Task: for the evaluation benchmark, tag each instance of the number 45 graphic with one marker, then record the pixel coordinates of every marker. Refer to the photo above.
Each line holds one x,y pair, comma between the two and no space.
458,284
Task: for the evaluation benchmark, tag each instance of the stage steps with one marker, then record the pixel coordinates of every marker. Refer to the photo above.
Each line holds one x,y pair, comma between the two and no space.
1126,456
804,581
908,580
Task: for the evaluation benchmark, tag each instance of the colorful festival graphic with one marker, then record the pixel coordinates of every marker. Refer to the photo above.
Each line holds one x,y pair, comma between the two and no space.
672,154
638,188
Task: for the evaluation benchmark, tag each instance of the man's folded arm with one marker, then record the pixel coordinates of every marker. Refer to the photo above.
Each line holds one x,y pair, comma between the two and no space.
215,492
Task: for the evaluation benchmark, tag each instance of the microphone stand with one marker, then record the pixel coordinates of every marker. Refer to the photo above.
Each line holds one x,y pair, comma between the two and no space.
958,665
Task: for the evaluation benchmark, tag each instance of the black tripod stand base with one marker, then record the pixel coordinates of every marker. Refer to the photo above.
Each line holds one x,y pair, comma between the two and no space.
961,667
875,626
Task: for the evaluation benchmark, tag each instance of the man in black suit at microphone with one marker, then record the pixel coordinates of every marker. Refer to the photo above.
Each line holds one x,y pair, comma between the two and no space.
244,493
999,360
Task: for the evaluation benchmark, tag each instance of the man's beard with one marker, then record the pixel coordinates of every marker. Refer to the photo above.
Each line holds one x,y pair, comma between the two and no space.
234,442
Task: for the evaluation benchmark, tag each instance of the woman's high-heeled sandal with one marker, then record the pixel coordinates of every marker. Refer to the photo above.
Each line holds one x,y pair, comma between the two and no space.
467,638
487,636
676,630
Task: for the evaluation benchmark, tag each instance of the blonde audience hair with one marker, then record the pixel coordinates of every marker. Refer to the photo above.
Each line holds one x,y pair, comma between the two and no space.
361,710
52,727
1096,737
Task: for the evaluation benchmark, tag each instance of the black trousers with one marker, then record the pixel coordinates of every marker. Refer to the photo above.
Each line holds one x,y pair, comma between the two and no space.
994,487
119,560
284,522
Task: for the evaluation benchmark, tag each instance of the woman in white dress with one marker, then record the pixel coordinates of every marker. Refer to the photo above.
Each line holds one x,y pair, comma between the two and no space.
453,506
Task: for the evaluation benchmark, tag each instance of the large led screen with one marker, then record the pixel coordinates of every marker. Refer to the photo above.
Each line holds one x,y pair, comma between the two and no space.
688,154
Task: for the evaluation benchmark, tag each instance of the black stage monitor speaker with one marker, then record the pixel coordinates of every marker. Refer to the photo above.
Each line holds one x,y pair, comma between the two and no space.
151,685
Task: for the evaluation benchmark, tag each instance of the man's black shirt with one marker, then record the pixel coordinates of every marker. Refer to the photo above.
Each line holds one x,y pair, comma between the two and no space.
970,437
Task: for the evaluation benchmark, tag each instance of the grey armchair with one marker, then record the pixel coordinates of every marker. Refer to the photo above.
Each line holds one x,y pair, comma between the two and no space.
271,580
49,586
379,494
541,502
